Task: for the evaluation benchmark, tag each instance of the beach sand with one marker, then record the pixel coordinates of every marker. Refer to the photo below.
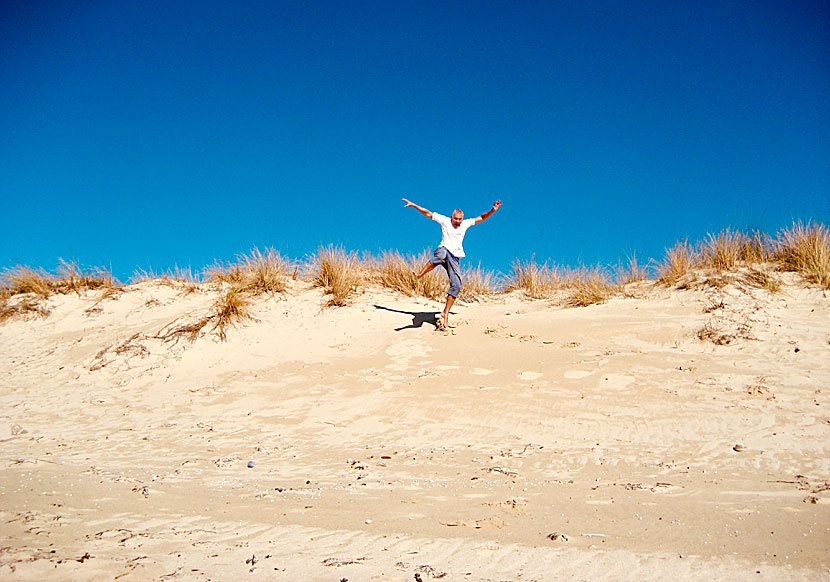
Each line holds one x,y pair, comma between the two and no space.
533,442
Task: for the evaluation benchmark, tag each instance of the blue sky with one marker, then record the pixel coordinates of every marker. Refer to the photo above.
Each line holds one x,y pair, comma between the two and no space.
152,134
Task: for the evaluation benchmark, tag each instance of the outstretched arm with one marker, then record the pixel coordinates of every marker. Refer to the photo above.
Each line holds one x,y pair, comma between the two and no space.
489,213
420,209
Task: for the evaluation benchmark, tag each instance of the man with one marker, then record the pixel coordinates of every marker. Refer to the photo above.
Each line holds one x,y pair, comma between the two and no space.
450,250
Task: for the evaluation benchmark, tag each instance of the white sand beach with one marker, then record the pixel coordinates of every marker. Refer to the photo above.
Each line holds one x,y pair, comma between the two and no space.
533,442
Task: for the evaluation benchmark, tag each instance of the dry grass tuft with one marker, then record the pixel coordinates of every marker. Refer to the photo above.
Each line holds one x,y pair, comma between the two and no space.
11,307
265,272
72,279
805,248
722,251
395,271
231,308
631,273
338,272
24,279
588,286
763,279
227,273
478,283
713,333
534,280
757,247
679,263
257,272
188,331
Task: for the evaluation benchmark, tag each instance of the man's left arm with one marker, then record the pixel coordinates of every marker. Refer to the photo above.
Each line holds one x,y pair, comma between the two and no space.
489,213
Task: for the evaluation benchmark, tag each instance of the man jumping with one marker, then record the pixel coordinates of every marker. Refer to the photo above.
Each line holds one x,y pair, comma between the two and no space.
450,251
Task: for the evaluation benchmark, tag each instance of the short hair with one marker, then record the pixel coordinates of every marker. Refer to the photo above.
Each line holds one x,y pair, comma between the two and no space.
458,211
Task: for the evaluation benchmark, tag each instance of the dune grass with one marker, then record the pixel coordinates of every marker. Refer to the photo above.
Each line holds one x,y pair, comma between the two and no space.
25,279
534,280
588,285
632,272
69,278
170,277
395,271
338,272
231,308
256,272
723,251
730,256
22,306
805,249
679,262
478,283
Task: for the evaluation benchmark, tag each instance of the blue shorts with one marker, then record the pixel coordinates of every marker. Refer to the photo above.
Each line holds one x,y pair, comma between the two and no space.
452,264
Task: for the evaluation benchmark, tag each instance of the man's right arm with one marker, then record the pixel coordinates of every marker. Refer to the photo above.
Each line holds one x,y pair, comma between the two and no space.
420,209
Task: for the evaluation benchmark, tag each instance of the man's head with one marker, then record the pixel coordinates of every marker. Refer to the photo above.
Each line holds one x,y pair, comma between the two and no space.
456,218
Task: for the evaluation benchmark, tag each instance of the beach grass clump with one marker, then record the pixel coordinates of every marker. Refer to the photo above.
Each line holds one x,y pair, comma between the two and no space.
679,263
338,272
536,281
71,278
396,271
478,283
588,286
24,279
632,272
805,249
757,247
257,272
232,307
763,279
175,277
265,272
722,251
22,305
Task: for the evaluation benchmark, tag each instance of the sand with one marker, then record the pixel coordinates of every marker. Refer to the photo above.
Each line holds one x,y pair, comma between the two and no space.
533,442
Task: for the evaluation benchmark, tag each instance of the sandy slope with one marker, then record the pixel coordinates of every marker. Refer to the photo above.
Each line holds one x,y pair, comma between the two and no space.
532,443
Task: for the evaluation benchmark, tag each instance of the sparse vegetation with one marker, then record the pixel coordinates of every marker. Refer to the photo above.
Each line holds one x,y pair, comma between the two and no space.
395,271
632,272
25,279
338,272
70,278
763,279
257,272
478,283
722,251
678,264
587,286
535,281
805,248
13,307
232,307
726,258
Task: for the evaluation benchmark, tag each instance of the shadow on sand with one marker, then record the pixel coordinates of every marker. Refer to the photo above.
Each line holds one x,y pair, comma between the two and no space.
419,318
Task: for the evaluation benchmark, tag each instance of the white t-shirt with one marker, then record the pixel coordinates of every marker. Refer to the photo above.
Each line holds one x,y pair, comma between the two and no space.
452,238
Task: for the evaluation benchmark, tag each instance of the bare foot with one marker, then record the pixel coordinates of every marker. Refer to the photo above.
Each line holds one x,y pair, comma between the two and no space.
416,275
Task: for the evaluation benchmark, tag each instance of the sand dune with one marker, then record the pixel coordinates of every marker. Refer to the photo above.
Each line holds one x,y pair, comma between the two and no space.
671,433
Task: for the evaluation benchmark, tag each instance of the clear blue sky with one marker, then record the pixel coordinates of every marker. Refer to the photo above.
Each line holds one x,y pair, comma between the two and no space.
147,134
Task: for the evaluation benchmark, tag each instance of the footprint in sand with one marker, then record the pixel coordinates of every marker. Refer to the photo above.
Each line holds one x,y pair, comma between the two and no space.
481,372
577,374
530,375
